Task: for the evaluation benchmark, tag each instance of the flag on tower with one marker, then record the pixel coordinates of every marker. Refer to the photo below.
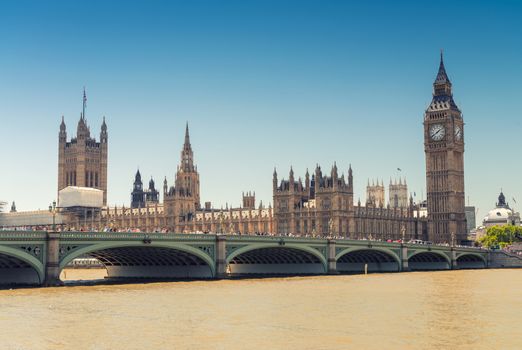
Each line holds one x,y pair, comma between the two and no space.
399,169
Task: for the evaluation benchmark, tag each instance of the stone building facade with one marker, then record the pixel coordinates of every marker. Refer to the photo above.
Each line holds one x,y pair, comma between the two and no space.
375,194
398,194
181,210
82,161
320,204
323,206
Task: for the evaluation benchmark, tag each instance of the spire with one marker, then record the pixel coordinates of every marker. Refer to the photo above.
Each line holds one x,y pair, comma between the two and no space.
187,136
274,180
442,77
62,136
350,176
187,157
442,84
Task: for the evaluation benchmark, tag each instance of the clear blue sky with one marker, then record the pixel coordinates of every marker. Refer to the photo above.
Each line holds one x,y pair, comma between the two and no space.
262,84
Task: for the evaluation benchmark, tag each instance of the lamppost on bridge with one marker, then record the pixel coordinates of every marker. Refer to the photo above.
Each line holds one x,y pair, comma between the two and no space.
403,233
330,227
453,239
53,210
221,220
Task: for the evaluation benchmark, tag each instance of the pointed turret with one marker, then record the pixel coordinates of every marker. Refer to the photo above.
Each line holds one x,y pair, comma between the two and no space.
165,187
274,180
137,178
137,194
103,133
350,176
186,153
291,180
334,173
442,94
82,131
62,124
442,77
187,136
63,131
307,180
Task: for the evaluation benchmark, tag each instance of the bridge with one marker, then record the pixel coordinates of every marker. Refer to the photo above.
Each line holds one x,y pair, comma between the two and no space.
39,257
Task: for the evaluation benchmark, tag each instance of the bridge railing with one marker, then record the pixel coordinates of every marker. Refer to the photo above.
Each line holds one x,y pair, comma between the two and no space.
82,235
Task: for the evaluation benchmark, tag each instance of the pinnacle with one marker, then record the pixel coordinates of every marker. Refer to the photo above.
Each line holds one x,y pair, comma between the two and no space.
442,77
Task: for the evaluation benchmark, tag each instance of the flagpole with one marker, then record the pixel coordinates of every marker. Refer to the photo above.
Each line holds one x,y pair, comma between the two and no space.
84,100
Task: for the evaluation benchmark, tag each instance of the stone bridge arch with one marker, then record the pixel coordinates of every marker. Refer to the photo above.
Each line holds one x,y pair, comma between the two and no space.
276,258
470,260
136,259
354,259
428,259
19,266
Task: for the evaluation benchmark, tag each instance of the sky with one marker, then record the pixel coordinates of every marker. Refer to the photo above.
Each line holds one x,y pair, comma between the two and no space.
262,84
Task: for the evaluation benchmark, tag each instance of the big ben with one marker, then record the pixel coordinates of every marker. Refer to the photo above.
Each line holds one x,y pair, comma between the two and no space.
444,149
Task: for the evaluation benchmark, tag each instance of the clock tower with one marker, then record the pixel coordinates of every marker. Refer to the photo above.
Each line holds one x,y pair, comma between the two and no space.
444,149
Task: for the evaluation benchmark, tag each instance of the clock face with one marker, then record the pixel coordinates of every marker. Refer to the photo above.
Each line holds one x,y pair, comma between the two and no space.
437,132
458,133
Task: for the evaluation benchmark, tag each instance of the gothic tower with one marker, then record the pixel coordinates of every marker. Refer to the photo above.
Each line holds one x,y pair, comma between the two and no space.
398,194
444,149
187,178
375,194
137,195
83,161
182,200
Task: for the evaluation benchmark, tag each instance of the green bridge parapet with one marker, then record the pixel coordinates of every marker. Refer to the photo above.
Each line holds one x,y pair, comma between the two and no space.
128,253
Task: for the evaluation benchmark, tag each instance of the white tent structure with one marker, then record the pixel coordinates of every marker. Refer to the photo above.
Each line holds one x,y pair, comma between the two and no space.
85,197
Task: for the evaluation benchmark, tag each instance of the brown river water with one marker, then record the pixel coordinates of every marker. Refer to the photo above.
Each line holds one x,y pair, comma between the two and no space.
473,309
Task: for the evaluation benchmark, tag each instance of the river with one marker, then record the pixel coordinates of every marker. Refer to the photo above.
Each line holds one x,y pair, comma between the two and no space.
473,309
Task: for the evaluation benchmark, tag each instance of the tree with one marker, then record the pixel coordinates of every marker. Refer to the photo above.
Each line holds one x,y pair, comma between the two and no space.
501,236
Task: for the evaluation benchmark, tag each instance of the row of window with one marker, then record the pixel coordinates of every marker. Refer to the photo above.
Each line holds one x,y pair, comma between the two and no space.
91,178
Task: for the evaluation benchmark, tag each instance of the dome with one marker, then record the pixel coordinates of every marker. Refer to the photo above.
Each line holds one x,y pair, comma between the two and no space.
498,215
